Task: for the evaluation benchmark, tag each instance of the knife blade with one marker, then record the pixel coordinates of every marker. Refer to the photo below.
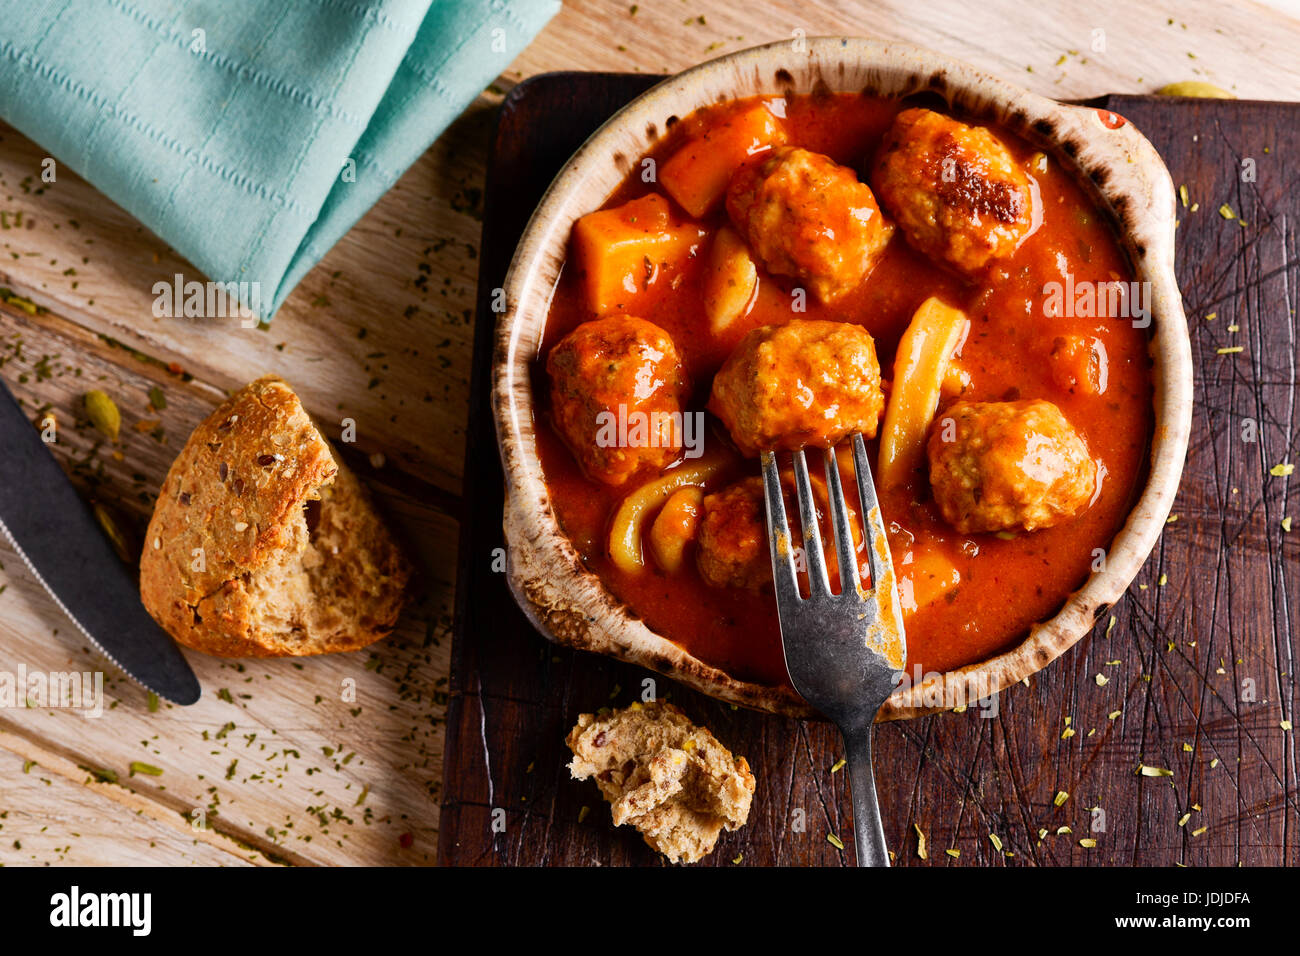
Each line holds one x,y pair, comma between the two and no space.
57,535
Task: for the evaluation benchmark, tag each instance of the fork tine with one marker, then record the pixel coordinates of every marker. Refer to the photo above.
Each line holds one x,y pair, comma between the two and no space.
845,553
818,582
778,534
875,525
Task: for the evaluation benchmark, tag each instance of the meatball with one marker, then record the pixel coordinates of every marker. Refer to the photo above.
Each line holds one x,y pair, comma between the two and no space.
807,217
995,466
732,544
808,382
617,388
953,189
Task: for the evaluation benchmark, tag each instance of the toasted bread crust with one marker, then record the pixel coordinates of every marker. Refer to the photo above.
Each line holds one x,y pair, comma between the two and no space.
231,510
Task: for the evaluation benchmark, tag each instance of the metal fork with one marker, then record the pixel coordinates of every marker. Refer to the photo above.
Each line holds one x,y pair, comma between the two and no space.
844,652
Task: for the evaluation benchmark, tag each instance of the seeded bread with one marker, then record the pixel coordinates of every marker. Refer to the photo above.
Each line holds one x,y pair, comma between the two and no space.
671,780
262,544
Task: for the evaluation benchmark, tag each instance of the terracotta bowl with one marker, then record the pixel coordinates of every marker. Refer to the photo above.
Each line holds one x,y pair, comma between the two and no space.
570,606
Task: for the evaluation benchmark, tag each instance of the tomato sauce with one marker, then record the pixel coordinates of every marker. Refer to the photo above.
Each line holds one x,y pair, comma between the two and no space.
1007,582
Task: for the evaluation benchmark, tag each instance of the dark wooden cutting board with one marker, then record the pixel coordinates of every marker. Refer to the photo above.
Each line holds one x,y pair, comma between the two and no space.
1200,662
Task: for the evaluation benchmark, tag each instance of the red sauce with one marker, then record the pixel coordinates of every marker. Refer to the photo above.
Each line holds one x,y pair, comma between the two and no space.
1007,583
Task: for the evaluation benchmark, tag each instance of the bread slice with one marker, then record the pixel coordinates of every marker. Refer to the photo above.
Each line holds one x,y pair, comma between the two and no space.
671,780
262,544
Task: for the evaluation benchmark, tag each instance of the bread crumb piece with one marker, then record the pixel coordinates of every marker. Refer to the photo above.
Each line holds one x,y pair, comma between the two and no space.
669,779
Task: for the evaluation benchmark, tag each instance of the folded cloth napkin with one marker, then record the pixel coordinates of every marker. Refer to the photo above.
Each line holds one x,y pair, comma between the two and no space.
250,135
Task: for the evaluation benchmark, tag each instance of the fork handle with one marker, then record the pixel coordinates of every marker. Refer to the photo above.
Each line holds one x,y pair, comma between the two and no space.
870,835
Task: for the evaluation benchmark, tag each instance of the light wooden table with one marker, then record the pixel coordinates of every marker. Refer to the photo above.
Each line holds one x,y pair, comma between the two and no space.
274,765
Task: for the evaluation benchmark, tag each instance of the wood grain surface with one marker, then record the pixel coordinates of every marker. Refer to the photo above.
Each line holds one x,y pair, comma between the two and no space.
381,332
1208,625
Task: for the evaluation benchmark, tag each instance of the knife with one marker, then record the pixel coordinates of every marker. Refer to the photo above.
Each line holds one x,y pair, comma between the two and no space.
56,533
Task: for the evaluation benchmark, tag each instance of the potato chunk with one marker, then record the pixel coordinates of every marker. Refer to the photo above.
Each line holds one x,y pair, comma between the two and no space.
920,367
1079,364
809,382
925,574
730,280
809,218
626,250
953,189
697,174
997,466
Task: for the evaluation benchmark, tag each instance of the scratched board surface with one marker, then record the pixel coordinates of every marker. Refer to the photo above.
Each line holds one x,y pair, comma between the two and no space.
1195,679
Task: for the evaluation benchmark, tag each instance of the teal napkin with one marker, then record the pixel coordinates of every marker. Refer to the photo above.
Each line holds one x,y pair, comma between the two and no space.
250,134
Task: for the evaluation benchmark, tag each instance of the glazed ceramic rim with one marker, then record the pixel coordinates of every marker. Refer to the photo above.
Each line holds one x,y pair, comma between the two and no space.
569,605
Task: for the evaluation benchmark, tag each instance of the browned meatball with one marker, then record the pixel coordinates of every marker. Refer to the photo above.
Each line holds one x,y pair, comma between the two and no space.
995,466
732,541
807,217
611,362
953,189
733,550
809,382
